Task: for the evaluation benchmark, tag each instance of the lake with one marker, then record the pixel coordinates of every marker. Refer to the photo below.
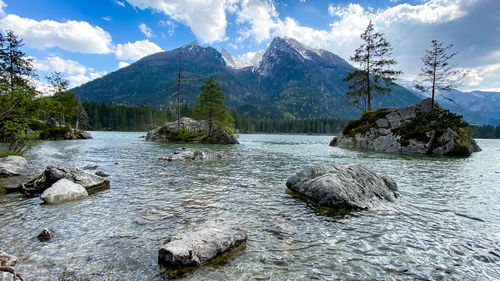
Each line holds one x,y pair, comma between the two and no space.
444,226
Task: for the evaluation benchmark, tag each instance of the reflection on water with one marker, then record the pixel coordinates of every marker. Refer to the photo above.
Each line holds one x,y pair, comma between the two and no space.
445,225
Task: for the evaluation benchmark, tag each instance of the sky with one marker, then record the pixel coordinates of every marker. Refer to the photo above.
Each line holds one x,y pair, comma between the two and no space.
86,39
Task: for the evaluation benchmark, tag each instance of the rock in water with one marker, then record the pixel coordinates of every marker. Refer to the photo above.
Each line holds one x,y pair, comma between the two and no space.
6,259
92,183
412,129
102,174
12,166
343,187
184,154
45,235
63,191
198,129
201,243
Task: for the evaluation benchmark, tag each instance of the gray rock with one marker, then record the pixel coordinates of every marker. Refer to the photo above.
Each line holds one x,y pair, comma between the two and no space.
198,155
12,166
343,187
45,235
53,123
382,122
80,134
63,191
91,166
7,260
92,183
201,243
102,174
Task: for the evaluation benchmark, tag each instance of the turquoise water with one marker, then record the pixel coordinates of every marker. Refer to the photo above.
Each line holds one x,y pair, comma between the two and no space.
444,226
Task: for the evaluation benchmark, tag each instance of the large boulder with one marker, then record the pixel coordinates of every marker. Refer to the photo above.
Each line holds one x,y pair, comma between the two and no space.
92,183
413,129
12,166
343,187
201,243
63,191
191,131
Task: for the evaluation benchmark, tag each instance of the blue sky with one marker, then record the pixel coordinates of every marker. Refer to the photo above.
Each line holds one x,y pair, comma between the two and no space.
88,39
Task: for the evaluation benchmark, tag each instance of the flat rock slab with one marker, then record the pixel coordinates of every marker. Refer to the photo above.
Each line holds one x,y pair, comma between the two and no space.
343,187
201,243
12,166
92,183
63,191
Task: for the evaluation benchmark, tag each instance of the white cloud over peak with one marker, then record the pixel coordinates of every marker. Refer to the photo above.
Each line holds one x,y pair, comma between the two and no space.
73,36
136,50
123,64
207,19
146,30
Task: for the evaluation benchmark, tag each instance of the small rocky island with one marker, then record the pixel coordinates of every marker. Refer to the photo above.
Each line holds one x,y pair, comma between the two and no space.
192,131
418,129
53,130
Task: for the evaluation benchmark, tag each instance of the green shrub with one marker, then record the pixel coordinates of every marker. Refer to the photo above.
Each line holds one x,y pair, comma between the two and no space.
10,153
184,135
367,120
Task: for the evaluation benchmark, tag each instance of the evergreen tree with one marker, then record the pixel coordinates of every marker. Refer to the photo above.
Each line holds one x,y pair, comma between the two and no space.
211,107
17,96
375,75
437,73
67,100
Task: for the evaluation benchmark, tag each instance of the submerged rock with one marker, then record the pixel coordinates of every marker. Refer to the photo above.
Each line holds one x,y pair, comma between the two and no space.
45,235
199,155
63,191
91,166
92,183
7,260
12,166
201,243
343,187
102,174
412,129
191,131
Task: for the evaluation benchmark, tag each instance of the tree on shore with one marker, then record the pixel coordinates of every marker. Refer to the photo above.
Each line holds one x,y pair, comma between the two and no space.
17,97
437,74
375,75
68,103
211,107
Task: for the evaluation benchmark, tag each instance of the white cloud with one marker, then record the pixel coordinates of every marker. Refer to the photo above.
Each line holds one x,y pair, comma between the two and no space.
106,18
261,16
123,64
146,30
136,50
55,63
77,80
120,3
2,6
170,26
73,36
207,19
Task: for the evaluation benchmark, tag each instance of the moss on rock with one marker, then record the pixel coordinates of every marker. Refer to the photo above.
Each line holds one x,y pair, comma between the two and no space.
367,120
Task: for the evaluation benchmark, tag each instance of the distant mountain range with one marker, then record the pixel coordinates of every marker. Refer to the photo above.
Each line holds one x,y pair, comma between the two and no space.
288,80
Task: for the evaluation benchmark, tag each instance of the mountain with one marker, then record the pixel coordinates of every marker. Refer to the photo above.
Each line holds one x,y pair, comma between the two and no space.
290,80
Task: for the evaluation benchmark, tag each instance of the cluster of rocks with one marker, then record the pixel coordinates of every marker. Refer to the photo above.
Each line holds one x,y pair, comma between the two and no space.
59,184
52,130
184,154
199,129
386,130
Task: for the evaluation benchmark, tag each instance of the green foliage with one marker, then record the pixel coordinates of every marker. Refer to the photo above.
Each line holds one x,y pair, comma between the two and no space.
367,120
3,191
10,153
184,135
437,120
375,75
68,105
211,107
